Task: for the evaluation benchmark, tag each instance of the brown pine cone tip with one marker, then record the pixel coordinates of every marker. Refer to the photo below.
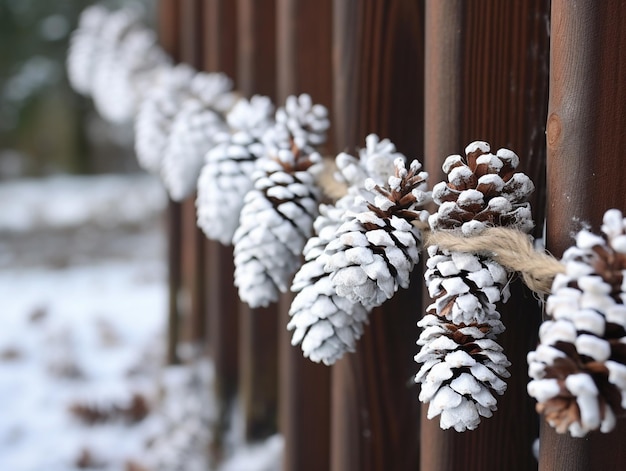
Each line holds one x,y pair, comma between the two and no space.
401,195
483,189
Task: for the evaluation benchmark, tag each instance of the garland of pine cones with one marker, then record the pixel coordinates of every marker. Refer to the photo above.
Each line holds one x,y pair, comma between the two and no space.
262,186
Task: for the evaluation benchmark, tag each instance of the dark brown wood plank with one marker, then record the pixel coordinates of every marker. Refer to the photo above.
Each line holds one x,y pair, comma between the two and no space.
442,83
168,30
378,79
486,76
256,47
586,138
220,36
258,328
303,65
191,298
219,42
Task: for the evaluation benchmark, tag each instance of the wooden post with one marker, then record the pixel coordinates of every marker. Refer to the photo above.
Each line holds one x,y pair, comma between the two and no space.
586,138
168,26
486,76
258,328
378,76
303,45
219,38
191,299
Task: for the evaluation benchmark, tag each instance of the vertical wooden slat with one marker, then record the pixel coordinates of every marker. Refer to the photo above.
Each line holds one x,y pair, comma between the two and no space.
256,47
586,138
168,25
486,79
219,39
303,65
442,83
191,299
258,331
378,76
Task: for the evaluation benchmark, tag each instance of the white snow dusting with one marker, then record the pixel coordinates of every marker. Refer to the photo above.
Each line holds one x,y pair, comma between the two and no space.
88,331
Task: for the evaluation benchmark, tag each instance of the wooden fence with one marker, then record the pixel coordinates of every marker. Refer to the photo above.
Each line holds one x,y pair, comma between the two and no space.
546,79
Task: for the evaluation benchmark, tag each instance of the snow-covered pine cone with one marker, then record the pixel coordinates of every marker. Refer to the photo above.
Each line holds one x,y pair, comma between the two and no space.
192,134
84,48
306,122
227,174
377,246
328,325
194,131
325,324
462,365
156,115
277,217
275,222
125,71
111,89
482,190
579,368
165,99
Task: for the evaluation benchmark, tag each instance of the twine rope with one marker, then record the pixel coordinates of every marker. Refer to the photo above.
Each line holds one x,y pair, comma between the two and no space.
510,248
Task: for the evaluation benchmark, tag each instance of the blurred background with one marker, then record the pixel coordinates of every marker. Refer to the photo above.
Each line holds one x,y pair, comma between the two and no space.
45,127
82,270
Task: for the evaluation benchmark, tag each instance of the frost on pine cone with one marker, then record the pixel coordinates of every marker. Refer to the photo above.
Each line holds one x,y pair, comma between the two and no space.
377,246
325,324
578,370
462,364
156,115
127,61
84,48
178,122
275,223
194,132
278,213
227,174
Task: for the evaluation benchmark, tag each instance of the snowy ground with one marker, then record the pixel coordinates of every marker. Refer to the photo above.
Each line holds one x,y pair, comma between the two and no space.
83,296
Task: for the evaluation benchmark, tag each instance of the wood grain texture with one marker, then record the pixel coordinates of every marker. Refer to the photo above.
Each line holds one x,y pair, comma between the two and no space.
586,138
495,54
378,85
303,61
442,83
220,36
218,40
256,47
192,298
169,38
258,328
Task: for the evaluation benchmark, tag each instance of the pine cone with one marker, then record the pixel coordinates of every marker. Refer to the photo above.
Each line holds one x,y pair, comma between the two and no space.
375,161
84,48
226,176
377,246
201,100
482,190
111,89
325,324
307,123
194,132
192,135
156,114
126,69
278,213
328,325
579,368
462,365
276,221
460,328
